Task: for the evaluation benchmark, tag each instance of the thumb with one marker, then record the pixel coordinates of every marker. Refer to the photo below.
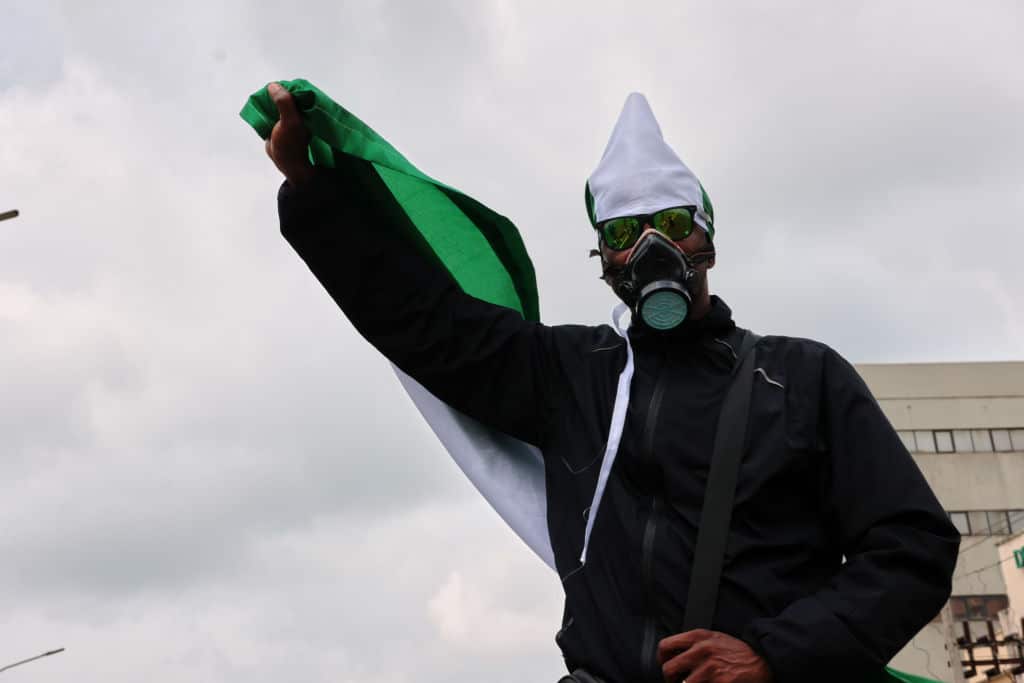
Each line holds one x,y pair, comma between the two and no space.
285,104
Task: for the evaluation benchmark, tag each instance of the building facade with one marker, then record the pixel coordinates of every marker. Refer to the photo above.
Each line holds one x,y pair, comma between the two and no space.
964,425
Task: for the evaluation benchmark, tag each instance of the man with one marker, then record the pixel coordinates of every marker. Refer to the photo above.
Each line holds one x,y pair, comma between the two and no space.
838,551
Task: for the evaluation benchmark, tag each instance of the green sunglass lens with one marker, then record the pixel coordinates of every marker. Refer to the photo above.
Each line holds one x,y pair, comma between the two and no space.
619,233
676,224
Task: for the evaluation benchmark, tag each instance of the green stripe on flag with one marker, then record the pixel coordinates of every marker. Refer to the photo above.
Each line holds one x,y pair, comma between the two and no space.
480,248
457,241
504,238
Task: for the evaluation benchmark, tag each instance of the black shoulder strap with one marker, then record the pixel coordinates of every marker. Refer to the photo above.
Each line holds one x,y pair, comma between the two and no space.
716,513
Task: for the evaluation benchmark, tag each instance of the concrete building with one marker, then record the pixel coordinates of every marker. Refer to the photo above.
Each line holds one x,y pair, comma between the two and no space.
964,425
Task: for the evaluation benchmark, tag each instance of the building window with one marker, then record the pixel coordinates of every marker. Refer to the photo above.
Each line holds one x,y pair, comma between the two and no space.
997,522
959,520
1016,521
962,440
925,441
1017,439
977,607
908,440
944,441
979,522
982,440
995,604
1001,440
984,607
987,522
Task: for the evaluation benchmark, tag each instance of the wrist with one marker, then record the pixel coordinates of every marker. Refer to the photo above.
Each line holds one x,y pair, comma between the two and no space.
768,675
300,176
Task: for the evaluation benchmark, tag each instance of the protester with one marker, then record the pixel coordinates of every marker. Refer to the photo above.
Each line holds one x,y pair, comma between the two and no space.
838,551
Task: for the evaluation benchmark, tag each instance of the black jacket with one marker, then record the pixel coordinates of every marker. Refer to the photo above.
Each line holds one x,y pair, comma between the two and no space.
824,475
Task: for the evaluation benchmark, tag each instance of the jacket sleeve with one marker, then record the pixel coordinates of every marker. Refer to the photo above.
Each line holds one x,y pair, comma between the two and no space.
899,544
481,359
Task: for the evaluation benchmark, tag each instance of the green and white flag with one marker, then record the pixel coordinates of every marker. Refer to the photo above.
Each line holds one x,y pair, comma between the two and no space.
483,252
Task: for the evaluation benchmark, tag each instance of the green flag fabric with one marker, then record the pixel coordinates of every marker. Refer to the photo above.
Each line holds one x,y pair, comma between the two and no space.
485,255
480,248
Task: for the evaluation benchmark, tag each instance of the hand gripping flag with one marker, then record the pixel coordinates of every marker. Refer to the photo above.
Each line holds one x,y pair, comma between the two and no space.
485,255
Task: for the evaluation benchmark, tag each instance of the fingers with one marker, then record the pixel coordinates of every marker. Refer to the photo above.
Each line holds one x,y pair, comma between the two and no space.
704,673
681,654
285,104
684,665
668,647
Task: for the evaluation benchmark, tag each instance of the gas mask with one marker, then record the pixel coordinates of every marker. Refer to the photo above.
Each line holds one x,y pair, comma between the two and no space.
658,283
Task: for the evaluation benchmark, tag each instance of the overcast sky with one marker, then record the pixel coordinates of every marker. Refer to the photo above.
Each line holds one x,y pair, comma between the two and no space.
206,475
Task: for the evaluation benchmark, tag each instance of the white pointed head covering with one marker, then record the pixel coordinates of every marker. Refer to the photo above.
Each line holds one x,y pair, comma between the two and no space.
640,174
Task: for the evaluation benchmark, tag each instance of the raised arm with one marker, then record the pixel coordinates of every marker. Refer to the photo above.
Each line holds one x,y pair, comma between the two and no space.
482,359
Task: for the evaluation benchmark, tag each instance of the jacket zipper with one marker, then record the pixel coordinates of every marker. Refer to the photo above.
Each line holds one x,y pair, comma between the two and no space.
648,649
